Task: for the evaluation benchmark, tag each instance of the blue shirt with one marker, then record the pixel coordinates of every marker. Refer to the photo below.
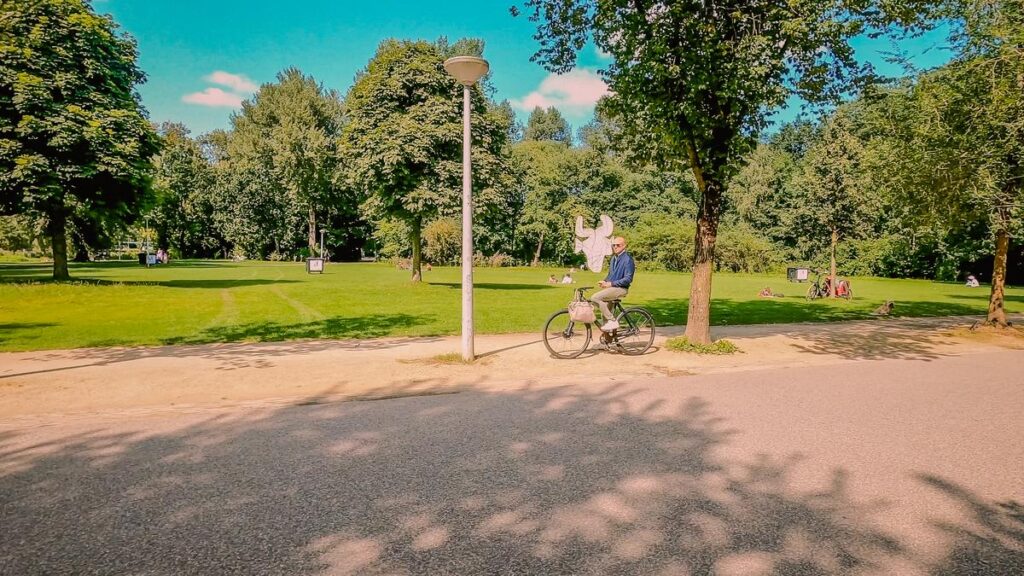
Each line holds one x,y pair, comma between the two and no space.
621,269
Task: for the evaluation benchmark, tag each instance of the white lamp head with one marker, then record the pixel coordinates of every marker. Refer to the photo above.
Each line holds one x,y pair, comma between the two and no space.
466,69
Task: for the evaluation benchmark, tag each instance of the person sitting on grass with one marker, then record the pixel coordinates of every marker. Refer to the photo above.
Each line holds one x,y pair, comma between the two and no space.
552,279
567,279
616,284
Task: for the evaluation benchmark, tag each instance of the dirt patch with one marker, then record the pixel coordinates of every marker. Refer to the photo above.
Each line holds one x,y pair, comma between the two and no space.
1011,337
311,372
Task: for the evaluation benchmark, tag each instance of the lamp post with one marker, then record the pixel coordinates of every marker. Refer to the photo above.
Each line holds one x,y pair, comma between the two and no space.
467,70
322,242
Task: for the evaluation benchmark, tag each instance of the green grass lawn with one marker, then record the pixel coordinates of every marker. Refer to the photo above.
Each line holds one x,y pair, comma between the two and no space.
189,302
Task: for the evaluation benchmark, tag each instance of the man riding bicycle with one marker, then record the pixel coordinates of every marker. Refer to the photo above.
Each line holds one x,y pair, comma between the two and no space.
616,284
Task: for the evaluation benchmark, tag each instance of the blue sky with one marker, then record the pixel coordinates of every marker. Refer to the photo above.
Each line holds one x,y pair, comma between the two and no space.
202,56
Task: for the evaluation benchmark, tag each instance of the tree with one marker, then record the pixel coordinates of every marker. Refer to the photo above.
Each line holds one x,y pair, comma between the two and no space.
546,222
515,127
831,197
547,125
184,185
601,134
970,128
403,141
74,138
292,128
760,194
693,81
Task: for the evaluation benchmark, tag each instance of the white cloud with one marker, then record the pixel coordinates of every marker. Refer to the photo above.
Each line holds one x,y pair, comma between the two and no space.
237,82
601,54
239,87
214,97
574,93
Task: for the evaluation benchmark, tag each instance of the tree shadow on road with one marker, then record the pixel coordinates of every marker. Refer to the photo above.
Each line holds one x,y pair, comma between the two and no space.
991,543
550,481
879,340
874,339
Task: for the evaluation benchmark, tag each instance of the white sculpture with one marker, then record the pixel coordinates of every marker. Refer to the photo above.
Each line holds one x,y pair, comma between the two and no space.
595,243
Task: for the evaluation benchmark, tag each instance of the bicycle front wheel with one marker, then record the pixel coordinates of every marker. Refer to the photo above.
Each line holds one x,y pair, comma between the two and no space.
564,338
636,331
812,293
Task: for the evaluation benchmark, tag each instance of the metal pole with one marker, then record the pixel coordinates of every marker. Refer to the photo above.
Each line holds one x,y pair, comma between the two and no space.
467,234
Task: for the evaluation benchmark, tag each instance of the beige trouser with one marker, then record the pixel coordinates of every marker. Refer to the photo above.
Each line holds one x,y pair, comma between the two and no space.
602,297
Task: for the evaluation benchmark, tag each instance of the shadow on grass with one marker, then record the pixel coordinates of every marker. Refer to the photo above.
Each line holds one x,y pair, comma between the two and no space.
495,286
553,481
43,272
360,327
252,345
215,284
8,329
983,299
725,312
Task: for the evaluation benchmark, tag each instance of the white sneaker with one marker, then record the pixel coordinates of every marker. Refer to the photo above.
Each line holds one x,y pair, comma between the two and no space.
610,326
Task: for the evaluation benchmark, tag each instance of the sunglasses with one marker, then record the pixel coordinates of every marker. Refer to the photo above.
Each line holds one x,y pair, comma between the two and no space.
619,244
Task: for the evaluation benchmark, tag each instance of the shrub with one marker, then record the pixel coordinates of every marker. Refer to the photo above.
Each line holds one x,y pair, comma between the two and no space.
683,344
498,260
662,242
741,249
443,238
392,238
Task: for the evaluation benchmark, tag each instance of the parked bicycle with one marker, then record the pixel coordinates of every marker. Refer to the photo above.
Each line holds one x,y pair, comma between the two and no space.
821,288
566,337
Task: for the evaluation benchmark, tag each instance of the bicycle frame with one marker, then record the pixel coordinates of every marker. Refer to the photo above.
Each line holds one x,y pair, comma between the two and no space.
572,338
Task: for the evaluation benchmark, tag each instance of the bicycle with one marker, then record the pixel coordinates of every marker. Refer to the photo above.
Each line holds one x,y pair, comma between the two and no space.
821,289
566,338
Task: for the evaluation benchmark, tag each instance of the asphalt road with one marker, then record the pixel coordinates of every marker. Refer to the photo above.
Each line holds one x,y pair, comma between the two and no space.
874,467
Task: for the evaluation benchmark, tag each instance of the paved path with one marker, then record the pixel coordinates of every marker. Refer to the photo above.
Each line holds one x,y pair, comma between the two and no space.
910,464
56,383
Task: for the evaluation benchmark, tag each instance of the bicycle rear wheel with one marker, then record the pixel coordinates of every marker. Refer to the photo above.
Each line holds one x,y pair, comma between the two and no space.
636,331
564,338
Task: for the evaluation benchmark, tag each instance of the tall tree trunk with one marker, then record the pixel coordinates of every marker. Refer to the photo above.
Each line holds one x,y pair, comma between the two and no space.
996,312
312,233
698,317
57,228
536,255
415,233
832,270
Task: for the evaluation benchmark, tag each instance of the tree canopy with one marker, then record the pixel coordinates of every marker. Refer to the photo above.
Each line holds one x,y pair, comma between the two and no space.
693,81
74,138
403,141
547,124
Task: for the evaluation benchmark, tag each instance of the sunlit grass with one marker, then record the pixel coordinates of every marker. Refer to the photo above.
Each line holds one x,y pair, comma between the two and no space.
188,302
